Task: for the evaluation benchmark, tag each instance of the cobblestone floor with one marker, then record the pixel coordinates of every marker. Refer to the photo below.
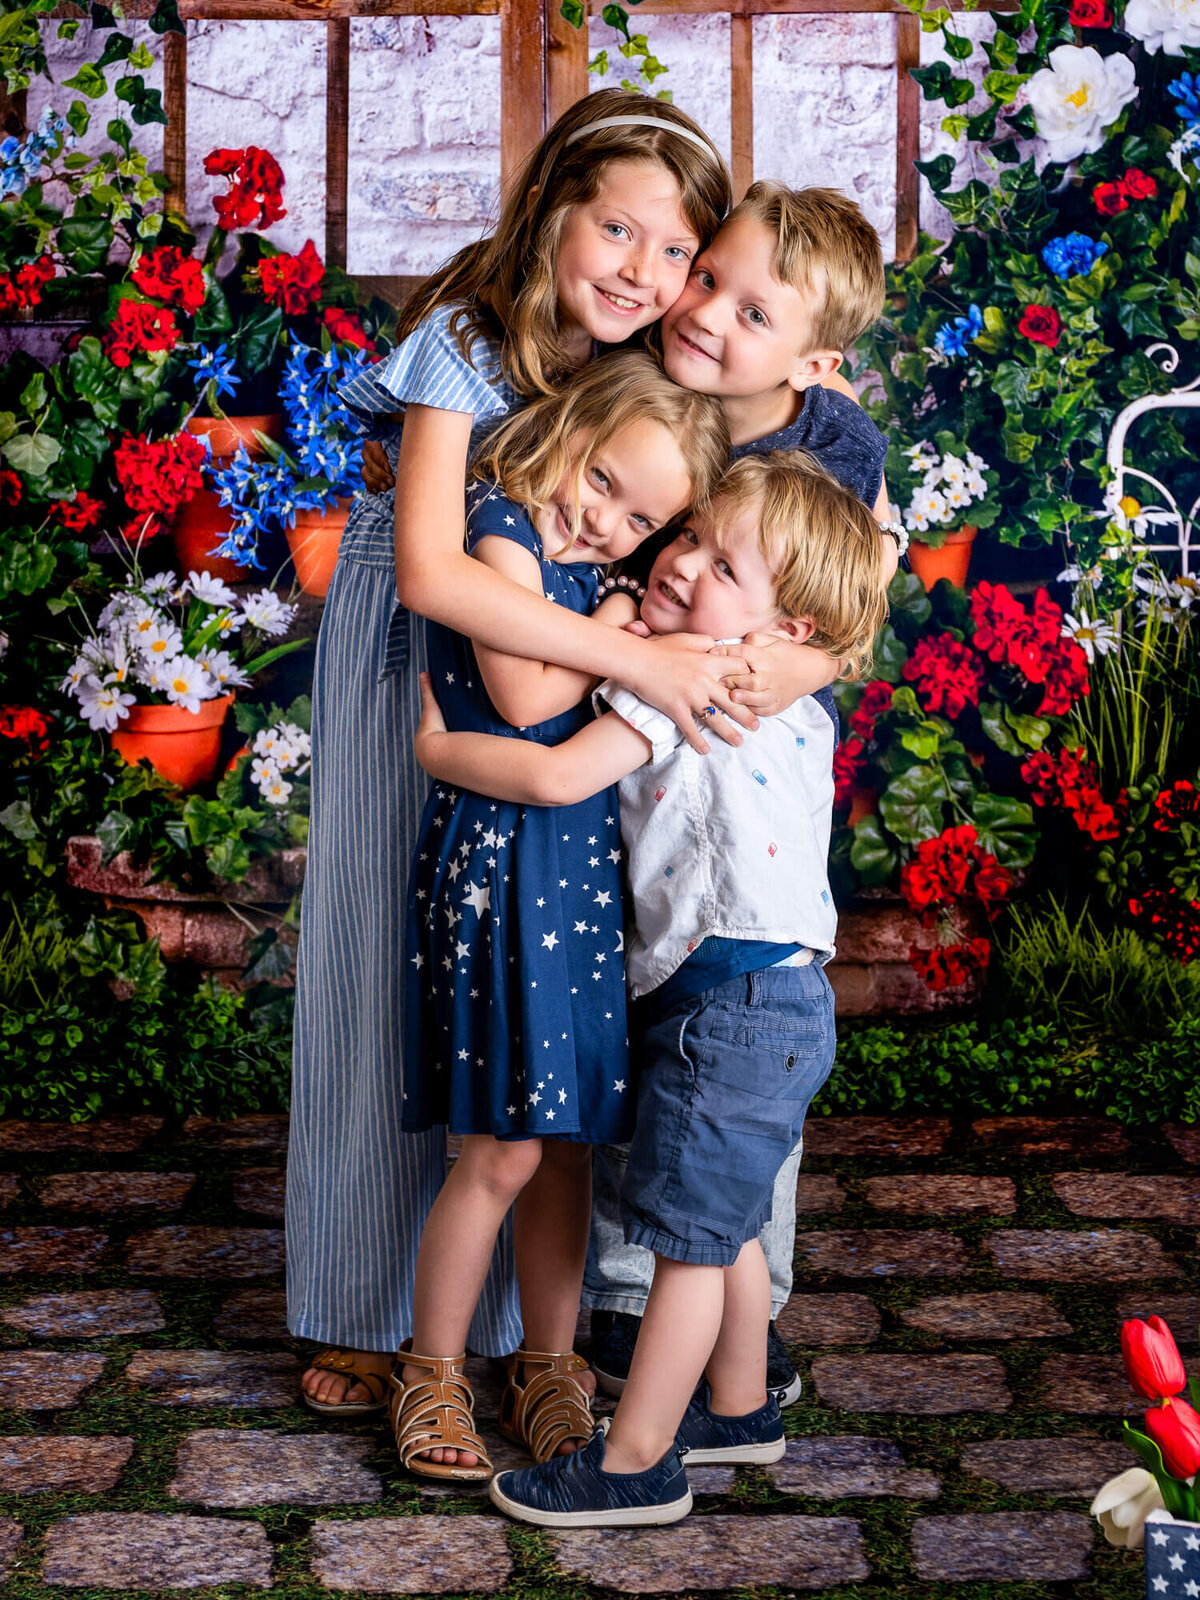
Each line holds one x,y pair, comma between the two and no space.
958,1293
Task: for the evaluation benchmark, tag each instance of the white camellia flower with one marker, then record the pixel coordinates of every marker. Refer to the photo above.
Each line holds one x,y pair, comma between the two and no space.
1123,1504
1172,26
1078,97
211,590
187,683
103,704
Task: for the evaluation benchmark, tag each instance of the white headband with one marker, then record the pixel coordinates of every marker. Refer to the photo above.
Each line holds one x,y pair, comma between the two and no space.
648,122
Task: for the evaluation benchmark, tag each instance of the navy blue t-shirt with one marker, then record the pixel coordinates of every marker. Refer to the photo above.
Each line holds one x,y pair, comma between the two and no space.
839,433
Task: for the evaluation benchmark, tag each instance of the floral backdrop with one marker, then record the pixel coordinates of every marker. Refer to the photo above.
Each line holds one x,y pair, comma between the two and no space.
1021,773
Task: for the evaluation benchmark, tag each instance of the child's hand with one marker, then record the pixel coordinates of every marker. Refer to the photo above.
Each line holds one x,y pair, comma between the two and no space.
778,672
684,680
432,724
378,476
638,627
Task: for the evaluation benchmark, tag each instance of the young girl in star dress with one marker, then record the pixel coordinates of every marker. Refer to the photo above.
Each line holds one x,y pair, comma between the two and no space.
515,1009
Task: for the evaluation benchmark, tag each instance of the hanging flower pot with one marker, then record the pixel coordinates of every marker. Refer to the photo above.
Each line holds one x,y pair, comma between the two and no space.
203,521
182,746
314,545
951,560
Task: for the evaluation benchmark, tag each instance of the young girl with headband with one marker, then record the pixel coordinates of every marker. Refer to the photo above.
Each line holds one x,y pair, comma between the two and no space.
515,1030
594,242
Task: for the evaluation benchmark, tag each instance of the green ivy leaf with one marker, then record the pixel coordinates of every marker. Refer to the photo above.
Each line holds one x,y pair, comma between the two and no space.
78,118
939,172
957,46
17,819
117,47
116,833
89,80
574,12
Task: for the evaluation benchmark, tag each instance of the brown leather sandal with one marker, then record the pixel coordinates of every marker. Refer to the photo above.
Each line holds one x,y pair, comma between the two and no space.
345,1364
550,1408
435,1413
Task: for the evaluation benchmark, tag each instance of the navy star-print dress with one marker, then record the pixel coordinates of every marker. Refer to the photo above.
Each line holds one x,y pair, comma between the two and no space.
515,1014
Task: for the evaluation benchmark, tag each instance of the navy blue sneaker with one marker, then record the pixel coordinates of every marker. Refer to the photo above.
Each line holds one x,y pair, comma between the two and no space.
707,1439
574,1491
783,1381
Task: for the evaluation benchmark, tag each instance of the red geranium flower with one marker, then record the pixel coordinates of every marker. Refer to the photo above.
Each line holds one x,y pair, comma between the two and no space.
847,761
78,515
1042,324
293,282
167,274
138,329
24,722
10,488
877,698
1139,185
346,328
1179,803
256,192
949,966
1110,198
1090,14
157,476
23,288
948,676
1032,642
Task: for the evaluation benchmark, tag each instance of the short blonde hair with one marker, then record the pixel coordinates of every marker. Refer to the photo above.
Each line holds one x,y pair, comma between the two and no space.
825,248
531,451
824,544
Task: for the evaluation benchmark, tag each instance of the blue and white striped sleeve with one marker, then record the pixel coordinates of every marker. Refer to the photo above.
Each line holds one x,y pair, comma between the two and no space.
427,369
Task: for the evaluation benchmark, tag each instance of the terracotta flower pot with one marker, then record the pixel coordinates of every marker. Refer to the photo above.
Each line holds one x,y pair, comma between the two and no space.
203,521
314,545
864,802
182,746
951,560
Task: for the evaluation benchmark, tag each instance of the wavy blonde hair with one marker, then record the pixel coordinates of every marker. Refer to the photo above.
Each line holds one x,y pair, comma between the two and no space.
560,435
824,544
505,284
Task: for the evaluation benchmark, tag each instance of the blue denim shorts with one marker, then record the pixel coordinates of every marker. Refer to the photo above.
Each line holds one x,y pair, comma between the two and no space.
726,1078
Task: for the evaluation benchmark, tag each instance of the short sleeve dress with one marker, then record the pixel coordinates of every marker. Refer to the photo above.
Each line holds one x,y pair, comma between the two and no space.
514,954
359,1188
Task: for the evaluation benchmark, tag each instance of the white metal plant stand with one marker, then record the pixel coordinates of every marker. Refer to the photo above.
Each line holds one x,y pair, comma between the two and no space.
1168,514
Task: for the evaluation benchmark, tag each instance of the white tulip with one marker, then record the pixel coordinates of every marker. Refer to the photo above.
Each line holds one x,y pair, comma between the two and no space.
1078,97
1172,26
1123,1504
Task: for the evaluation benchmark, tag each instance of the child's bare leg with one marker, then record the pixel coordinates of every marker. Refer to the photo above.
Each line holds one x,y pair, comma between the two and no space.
550,1234
679,1329
737,1368
456,1248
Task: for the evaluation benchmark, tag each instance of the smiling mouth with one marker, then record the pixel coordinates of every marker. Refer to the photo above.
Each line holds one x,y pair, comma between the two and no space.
619,302
691,347
670,595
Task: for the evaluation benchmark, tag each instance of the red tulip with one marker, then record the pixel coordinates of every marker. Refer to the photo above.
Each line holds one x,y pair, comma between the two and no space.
1175,1429
1152,1362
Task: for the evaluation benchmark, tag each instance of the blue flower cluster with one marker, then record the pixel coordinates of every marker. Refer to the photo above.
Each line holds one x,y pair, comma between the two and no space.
215,367
327,460
1185,91
23,160
953,337
1072,255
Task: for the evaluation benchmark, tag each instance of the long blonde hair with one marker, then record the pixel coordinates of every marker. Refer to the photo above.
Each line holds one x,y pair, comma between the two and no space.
505,283
533,450
825,547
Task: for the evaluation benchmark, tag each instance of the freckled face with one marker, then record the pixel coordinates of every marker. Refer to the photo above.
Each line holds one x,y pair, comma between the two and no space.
630,488
624,257
720,586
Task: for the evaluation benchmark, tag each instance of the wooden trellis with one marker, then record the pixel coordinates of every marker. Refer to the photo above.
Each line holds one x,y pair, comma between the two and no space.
543,69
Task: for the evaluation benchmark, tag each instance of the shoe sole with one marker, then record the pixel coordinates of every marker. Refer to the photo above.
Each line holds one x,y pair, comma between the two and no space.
617,1517
608,1383
736,1455
789,1396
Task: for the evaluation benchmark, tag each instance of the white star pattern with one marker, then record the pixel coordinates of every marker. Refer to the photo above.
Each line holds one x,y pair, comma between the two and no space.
418,961
549,940
479,898
619,1085
602,898
581,927
461,951
1175,1562
562,1097
1191,1542
1160,1586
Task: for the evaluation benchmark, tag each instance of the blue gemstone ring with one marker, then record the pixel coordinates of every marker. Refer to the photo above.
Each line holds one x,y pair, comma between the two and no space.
710,711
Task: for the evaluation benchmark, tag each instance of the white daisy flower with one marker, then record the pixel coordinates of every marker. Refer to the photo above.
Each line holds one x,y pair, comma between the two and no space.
159,640
80,668
263,770
160,585
211,590
1095,638
223,669
103,704
267,612
229,622
276,791
187,683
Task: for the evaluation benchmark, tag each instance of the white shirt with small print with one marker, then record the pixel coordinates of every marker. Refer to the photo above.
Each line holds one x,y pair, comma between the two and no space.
734,843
